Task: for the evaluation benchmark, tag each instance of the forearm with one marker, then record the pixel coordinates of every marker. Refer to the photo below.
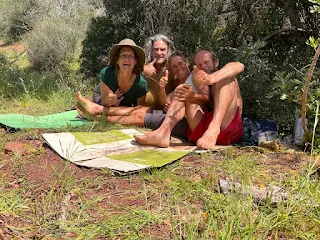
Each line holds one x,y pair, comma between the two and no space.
229,71
162,97
198,98
105,102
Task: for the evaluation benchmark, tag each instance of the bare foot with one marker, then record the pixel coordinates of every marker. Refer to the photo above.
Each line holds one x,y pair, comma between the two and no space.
89,107
82,112
209,139
154,138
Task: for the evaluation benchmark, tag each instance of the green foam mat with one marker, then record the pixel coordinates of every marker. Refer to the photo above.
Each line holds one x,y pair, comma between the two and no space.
53,121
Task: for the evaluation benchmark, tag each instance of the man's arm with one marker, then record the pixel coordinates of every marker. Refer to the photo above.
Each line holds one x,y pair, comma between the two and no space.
162,94
229,71
185,93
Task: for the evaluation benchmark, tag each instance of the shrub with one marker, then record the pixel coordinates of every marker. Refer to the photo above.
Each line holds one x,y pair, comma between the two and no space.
50,43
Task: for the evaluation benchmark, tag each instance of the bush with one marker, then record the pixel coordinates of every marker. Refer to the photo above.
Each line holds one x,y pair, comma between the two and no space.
189,25
16,83
50,43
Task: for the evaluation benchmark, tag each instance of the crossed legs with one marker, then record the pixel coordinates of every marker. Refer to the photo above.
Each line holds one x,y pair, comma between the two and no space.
121,115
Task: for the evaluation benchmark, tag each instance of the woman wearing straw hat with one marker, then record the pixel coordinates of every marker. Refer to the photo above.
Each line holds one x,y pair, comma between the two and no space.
121,83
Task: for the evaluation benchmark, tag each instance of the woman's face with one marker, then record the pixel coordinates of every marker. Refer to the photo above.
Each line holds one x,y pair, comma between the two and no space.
180,68
126,59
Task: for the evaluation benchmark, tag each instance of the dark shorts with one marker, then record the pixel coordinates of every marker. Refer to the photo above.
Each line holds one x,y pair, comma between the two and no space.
232,134
154,120
96,96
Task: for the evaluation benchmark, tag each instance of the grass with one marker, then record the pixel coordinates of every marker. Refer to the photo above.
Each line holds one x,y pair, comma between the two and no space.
180,201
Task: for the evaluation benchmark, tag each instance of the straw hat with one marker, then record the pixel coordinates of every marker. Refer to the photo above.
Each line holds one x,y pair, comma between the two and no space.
140,55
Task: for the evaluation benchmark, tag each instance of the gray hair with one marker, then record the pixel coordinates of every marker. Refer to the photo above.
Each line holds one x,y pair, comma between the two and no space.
149,44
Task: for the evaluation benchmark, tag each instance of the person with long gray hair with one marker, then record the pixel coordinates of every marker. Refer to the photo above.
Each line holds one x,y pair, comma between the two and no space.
158,48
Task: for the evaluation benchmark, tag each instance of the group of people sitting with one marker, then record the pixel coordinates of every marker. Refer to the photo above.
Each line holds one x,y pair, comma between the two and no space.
154,87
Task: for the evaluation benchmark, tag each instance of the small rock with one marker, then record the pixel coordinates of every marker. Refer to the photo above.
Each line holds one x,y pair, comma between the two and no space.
15,148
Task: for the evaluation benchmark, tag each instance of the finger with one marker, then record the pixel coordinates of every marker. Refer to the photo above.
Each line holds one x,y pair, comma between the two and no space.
166,74
195,69
119,100
153,61
118,91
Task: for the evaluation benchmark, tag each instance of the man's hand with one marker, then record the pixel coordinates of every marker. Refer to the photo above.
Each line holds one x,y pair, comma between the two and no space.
166,106
149,70
184,92
164,80
201,77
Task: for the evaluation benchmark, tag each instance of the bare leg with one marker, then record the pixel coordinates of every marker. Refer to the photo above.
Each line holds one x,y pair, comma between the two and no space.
133,119
225,107
94,109
194,114
89,107
161,136
125,111
82,112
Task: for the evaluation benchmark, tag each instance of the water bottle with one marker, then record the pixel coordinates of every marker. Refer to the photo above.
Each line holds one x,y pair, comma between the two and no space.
298,133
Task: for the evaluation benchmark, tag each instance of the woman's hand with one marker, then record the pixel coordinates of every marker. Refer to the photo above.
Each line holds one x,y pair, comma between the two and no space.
114,98
119,94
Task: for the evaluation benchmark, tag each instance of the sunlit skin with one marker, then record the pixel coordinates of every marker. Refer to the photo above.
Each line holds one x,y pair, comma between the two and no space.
203,61
159,51
180,68
126,60
159,56
227,100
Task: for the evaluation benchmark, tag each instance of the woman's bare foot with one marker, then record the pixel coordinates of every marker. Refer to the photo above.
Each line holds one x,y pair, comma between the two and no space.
209,139
89,107
154,138
82,112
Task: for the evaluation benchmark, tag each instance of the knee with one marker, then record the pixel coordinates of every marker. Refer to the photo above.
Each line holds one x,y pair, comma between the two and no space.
227,87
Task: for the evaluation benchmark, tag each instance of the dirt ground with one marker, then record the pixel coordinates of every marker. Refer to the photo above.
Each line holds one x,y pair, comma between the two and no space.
17,48
26,162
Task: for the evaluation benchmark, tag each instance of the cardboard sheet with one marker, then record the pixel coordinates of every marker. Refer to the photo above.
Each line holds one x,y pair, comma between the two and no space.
114,149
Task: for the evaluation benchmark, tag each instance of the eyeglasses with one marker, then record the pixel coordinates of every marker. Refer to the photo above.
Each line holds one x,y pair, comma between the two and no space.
131,57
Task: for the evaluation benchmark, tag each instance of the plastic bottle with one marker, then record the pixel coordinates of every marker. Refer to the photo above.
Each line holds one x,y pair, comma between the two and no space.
298,133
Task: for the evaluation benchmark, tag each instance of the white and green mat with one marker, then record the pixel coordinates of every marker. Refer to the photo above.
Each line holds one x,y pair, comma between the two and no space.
114,149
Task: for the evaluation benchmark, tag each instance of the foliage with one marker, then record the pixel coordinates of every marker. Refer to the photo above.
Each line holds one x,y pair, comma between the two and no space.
51,29
274,43
51,43
16,83
17,17
140,19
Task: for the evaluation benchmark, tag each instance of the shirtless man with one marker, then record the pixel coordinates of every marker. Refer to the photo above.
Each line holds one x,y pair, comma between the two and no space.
221,126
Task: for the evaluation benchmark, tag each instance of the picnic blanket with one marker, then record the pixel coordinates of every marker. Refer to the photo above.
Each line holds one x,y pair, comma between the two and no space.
53,121
114,149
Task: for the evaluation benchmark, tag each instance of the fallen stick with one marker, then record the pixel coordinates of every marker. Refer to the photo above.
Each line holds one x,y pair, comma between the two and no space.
272,194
